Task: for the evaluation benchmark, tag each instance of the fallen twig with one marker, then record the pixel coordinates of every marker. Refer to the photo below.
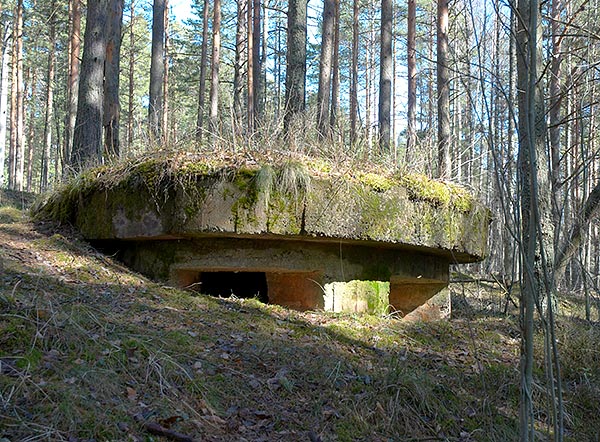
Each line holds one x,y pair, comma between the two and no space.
159,430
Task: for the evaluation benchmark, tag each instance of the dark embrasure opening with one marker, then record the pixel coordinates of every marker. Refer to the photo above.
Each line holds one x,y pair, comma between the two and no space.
240,284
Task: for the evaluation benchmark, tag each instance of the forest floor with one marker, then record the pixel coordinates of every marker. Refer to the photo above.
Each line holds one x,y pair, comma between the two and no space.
92,351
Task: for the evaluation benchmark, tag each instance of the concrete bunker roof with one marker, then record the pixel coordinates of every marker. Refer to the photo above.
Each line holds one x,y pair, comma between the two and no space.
307,200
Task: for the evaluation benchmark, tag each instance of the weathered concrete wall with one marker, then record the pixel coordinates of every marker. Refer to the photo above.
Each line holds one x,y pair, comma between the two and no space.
300,274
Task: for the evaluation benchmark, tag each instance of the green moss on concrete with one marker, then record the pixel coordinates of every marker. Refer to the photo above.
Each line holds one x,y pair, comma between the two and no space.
377,182
437,193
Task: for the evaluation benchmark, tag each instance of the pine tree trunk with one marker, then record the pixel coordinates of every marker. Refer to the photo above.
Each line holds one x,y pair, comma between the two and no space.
443,92
368,83
45,173
216,60
239,79
131,79
20,109
250,66
335,75
203,65
4,65
32,143
411,130
263,84
324,91
295,80
165,87
385,76
87,137
74,51
354,74
157,69
12,160
256,66
112,106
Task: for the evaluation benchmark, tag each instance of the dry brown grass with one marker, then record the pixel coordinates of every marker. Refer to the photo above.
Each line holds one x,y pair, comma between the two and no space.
90,350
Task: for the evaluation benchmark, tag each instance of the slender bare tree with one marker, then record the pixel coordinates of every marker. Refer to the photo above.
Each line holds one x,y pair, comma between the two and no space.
411,130
385,75
443,92
157,69
45,172
326,58
216,60
203,65
74,51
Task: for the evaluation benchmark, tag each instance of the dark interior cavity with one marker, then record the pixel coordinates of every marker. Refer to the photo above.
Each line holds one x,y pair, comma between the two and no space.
240,284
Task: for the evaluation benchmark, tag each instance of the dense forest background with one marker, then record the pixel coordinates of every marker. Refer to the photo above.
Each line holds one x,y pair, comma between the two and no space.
497,96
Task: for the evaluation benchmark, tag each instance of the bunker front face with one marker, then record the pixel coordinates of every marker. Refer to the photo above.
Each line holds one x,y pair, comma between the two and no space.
287,235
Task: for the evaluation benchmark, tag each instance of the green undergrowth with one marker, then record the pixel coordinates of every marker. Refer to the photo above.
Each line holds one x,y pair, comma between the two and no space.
90,350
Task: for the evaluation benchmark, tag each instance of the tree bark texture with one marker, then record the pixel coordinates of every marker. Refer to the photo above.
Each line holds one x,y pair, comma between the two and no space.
74,52
45,173
165,88
203,65
411,130
354,73
250,67
20,104
112,106
335,67
240,79
87,137
12,163
443,92
4,75
216,60
554,111
326,58
157,69
385,76
295,80
131,79
256,64
31,106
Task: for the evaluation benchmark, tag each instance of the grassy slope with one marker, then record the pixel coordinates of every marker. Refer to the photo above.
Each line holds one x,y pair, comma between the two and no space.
90,350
